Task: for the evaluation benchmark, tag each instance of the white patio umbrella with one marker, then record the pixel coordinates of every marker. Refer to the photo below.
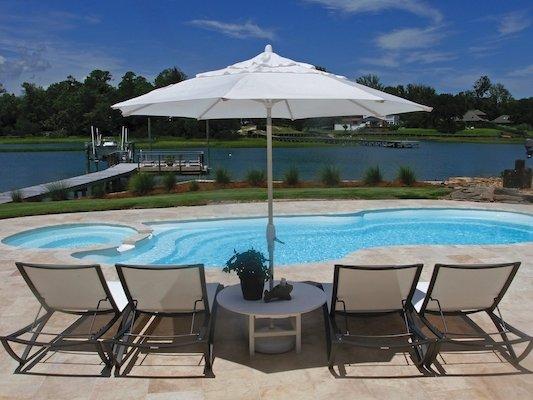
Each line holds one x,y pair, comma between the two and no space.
270,86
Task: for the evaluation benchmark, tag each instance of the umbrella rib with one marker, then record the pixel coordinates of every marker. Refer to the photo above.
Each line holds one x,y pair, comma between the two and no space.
289,109
374,113
209,108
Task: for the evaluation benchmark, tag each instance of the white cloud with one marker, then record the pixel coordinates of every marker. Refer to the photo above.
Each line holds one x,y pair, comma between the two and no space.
417,7
526,71
389,61
397,58
27,61
241,31
36,53
429,57
513,22
409,38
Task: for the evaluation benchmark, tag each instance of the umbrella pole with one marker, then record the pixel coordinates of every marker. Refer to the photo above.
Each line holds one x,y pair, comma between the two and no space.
271,231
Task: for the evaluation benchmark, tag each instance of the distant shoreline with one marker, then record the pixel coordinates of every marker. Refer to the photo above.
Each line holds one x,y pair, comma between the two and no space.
38,144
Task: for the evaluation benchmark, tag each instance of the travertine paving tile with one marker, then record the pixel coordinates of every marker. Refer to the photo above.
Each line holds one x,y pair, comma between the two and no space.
366,374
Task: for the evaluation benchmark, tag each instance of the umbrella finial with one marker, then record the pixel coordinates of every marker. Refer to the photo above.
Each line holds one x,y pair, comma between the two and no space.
268,48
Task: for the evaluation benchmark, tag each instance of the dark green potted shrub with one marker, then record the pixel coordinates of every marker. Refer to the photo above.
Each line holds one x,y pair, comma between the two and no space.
251,269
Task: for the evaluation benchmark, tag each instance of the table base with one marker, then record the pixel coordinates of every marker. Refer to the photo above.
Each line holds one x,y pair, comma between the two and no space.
273,338
272,344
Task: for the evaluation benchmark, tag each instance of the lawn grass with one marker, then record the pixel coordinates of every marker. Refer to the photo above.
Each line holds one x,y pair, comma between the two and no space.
12,210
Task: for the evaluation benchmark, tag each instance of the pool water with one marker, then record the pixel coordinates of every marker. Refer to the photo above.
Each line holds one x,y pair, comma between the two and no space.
310,239
70,236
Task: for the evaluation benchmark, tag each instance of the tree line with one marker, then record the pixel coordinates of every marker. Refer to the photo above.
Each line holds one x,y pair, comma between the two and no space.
70,107
492,98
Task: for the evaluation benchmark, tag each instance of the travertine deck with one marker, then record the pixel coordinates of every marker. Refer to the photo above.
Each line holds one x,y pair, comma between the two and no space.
368,374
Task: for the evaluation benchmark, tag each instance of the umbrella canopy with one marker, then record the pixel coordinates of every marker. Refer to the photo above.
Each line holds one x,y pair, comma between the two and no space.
270,86
297,90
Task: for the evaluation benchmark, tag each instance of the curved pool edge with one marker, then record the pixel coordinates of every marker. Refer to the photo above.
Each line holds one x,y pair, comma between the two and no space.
229,211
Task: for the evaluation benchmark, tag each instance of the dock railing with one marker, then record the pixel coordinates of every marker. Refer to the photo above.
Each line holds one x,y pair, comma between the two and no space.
182,162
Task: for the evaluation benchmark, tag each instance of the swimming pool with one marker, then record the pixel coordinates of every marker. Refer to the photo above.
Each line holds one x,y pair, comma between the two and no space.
320,237
70,236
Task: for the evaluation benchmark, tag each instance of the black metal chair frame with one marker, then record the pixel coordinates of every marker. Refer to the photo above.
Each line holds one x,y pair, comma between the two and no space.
335,337
57,341
125,338
485,340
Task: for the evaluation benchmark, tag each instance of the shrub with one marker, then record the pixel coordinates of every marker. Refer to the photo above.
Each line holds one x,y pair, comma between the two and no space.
222,176
449,126
291,176
57,191
255,177
373,176
194,186
406,176
330,176
248,264
98,191
141,183
16,196
169,182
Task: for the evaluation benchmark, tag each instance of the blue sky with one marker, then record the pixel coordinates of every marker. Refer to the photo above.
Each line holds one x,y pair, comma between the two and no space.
446,44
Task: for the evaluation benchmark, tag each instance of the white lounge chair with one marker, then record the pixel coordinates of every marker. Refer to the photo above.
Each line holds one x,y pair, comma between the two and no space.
463,290
178,292
369,292
71,289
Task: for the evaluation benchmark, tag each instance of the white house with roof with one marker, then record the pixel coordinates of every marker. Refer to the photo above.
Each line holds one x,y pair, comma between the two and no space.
363,121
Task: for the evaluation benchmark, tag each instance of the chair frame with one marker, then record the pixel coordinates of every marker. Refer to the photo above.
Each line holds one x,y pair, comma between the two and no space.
335,337
125,338
485,339
56,343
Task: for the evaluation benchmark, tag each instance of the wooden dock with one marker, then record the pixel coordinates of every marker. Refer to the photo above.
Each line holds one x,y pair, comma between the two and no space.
396,144
77,183
343,140
179,162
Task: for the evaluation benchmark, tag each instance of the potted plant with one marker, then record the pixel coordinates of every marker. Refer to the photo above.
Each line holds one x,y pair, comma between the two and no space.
169,160
252,271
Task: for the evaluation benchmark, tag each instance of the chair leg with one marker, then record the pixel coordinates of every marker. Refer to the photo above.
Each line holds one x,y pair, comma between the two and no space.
431,354
504,336
327,327
208,355
333,352
101,352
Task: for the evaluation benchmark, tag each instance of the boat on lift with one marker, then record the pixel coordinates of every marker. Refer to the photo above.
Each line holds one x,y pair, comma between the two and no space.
109,149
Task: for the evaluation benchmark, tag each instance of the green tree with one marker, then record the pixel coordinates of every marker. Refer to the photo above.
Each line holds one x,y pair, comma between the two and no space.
9,113
97,96
35,108
67,110
447,108
2,89
370,80
132,85
482,86
169,76
499,94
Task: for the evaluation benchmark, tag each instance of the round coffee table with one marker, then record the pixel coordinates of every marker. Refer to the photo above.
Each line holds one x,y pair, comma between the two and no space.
305,298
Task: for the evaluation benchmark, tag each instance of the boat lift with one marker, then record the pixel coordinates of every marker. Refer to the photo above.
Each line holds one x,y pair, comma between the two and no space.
107,149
